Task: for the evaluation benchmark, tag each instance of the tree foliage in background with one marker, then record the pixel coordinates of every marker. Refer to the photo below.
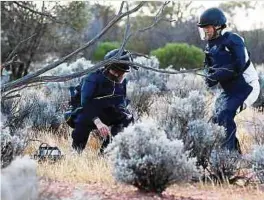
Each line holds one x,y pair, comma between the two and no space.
18,24
103,48
179,56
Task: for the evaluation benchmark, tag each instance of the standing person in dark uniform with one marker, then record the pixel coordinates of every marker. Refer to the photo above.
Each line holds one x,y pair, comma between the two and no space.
227,62
104,102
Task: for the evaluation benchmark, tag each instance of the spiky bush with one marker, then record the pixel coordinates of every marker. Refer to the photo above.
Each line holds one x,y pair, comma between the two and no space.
175,112
202,138
257,158
260,101
182,84
12,143
143,156
46,108
224,164
16,115
143,85
19,180
144,77
187,119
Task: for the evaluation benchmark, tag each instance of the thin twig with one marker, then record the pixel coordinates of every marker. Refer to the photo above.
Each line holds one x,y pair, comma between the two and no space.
127,30
53,18
121,8
4,65
157,19
14,50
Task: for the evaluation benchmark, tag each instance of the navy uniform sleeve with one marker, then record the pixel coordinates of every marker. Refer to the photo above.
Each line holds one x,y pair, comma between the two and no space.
236,46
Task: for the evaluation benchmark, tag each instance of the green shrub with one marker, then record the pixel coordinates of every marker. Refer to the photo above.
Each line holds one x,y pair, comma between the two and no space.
103,48
179,55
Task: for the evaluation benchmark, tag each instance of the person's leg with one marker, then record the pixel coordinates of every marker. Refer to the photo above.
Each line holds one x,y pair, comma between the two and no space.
80,136
225,111
226,119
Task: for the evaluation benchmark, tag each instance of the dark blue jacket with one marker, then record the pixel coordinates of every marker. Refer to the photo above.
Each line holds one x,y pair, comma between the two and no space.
226,55
98,93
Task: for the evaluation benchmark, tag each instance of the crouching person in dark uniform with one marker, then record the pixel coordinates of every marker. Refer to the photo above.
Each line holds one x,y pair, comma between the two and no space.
227,62
104,102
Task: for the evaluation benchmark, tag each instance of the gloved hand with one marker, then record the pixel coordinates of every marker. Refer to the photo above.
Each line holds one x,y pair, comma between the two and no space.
210,82
103,129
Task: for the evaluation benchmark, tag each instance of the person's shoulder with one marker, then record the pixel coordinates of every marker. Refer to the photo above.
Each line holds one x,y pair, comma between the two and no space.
93,76
233,38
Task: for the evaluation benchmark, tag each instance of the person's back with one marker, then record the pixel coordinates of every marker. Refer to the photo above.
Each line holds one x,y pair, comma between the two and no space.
98,93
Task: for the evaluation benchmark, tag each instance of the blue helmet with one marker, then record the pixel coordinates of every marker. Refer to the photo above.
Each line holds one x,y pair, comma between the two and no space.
212,16
119,66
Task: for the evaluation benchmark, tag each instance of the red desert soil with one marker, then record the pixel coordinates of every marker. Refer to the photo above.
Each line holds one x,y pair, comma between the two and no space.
71,191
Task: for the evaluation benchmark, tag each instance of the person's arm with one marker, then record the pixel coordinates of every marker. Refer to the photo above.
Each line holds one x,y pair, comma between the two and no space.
87,92
236,46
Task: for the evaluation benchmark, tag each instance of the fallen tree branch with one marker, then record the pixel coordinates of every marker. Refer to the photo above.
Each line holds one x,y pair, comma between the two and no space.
64,78
11,97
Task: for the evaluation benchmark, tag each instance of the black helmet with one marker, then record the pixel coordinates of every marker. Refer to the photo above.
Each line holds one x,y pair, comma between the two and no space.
119,66
212,16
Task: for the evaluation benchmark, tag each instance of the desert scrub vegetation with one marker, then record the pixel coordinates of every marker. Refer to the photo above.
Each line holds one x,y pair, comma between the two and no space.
143,156
172,140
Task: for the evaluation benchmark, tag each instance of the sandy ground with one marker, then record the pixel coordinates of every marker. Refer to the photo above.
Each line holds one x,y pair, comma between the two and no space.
70,191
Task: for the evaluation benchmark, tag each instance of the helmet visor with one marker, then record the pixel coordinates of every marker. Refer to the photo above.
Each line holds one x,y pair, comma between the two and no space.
202,34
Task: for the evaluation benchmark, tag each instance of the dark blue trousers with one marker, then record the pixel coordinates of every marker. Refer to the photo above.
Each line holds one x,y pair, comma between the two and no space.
225,112
117,119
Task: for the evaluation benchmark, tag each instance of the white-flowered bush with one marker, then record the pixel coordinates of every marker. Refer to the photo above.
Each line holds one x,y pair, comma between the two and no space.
12,143
256,157
260,101
174,113
202,138
182,84
224,164
19,180
143,156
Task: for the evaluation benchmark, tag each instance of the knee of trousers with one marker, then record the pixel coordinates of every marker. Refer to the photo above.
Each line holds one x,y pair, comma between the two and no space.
81,132
224,118
126,121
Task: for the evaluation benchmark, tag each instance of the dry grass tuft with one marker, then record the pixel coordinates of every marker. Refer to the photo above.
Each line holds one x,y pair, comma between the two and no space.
85,168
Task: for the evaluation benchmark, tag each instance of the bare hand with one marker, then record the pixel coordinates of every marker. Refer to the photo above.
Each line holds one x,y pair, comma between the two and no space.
103,129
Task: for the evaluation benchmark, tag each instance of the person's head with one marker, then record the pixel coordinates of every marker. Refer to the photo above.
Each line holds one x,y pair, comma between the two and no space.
211,23
117,71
